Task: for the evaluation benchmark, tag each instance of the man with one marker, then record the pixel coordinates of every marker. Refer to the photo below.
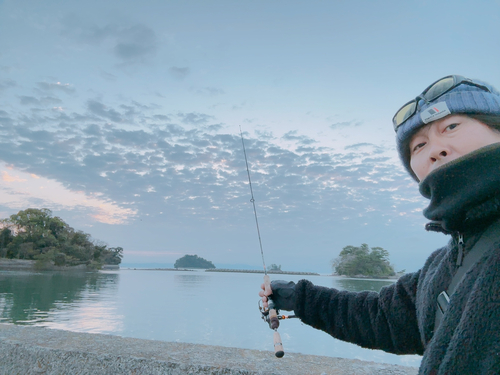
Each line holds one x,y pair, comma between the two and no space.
448,139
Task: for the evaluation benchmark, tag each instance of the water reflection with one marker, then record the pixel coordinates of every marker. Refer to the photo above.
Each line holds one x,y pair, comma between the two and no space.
36,298
191,280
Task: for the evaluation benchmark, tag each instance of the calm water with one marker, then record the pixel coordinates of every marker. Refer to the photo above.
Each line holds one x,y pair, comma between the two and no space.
183,306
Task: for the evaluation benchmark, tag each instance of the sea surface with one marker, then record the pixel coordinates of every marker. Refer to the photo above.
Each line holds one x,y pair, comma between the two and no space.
212,308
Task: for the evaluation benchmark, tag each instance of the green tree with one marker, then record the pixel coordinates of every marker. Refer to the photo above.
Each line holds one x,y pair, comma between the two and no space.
193,261
36,234
364,261
6,238
113,255
274,267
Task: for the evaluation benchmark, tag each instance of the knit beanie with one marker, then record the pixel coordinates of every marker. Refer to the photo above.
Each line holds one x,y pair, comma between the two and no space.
463,99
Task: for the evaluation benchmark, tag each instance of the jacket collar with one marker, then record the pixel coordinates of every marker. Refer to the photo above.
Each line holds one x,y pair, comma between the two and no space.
464,194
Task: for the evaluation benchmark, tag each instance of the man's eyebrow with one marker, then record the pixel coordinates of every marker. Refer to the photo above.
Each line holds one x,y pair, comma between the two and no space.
420,133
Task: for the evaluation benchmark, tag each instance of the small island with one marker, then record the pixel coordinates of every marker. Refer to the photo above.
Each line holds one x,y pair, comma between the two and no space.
36,239
364,262
193,261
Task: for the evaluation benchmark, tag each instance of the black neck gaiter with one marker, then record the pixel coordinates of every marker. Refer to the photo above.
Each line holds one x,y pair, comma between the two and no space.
459,186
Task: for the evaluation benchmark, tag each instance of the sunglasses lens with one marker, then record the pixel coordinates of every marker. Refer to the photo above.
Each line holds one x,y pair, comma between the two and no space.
439,88
404,113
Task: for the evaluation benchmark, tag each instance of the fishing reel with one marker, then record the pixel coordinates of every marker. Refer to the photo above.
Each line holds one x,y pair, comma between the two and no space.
271,321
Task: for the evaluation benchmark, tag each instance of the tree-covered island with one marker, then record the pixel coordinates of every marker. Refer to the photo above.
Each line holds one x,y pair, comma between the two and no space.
274,267
193,261
34,234
363,261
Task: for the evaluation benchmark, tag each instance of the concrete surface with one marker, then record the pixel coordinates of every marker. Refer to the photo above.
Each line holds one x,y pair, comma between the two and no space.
32,350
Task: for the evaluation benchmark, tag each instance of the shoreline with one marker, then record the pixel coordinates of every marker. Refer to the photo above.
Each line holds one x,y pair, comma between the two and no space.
29,265
261,271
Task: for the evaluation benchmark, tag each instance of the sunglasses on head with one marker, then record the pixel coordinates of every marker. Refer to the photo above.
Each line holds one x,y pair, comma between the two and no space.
434,91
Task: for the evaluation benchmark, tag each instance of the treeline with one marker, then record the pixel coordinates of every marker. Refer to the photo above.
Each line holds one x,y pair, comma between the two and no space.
363,261
35,234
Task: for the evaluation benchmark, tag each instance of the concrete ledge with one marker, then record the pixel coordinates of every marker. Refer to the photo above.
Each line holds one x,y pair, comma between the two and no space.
32,350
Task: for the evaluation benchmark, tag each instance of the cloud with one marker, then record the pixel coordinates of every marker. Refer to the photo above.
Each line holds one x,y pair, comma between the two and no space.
57,86
194,118
158,163
265,135
28,190
302,140
129,43
366,148
208,91
99,109
5,118
6,84
344,124
359,145
43,101
162,118
214,127
179,73
135,43
9,178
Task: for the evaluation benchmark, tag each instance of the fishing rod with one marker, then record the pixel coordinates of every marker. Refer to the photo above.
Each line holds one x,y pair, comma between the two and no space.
269,314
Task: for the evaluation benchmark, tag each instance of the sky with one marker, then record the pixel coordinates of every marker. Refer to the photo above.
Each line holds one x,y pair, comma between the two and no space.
124,118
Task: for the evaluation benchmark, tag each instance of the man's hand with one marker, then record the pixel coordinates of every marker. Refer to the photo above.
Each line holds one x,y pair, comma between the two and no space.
283,295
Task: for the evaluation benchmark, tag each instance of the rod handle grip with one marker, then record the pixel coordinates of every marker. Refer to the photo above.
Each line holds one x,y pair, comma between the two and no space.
278,345
267,285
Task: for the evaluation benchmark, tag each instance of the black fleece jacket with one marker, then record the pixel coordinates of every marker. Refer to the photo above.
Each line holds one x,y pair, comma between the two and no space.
400,318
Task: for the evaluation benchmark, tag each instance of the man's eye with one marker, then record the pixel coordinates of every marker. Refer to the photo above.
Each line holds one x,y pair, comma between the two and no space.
418,146
451,126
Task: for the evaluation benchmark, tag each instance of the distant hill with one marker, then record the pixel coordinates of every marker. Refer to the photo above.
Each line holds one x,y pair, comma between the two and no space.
239,266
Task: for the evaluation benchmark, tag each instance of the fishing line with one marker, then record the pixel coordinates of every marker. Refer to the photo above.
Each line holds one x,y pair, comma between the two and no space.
253,202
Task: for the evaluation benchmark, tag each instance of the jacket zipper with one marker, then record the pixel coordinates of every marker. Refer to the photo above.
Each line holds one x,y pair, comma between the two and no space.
461,247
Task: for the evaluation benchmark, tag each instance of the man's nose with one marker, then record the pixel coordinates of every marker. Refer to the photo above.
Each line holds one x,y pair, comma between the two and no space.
439,151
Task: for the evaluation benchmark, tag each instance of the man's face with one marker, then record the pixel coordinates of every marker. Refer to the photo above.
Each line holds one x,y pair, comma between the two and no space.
447,139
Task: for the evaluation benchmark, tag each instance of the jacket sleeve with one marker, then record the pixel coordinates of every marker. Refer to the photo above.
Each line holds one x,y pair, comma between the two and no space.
385,320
